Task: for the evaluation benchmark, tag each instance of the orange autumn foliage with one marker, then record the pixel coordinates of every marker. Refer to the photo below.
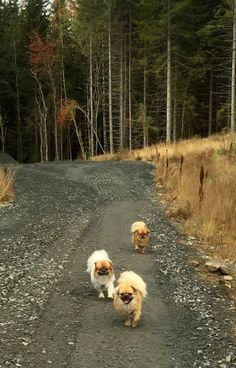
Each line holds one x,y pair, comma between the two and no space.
66,112
41,54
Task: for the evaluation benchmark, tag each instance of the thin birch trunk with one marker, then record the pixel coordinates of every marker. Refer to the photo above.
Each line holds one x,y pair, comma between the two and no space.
43,118
104,103
2,133
54,94
145,97
125,90
175,113
121,93
61,143
78,135
65,93
41,143
183,109
232,125
19,137
129,89
210,105
110,86
88,118
168,102
91,93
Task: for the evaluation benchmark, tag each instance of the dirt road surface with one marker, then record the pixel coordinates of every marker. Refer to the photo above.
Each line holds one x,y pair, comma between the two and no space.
50,316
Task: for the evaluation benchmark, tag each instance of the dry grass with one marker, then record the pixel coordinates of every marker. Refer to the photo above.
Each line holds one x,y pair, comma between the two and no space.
200,184
157,152
6,185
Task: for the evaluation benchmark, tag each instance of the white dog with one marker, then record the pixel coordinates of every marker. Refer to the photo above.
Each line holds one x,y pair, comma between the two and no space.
100,268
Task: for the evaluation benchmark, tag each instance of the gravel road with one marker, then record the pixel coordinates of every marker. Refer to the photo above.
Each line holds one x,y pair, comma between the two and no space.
50,316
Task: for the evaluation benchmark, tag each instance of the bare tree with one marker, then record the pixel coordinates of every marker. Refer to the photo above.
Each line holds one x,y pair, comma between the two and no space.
145,127
19,137
121,92
210,105
42,112
168,98
110,85
91,94
129,89
3,131
232,125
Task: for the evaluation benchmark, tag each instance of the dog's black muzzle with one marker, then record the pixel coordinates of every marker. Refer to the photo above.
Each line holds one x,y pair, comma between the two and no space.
103,272
142,236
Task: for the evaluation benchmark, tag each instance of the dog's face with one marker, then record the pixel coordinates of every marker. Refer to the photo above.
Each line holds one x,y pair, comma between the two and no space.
126,293
103,268
143,233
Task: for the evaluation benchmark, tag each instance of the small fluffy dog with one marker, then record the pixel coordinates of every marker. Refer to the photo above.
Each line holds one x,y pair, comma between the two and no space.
140,235
100,268
128,297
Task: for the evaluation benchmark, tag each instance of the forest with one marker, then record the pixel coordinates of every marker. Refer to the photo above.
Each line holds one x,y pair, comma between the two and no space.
85,77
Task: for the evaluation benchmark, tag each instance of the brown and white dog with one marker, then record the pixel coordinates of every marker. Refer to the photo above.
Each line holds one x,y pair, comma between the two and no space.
100,268
128,297
140,235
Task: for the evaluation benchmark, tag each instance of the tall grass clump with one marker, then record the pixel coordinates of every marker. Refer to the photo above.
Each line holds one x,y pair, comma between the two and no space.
6,185
199,183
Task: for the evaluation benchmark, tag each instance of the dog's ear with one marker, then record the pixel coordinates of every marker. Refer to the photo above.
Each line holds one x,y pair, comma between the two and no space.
134,289
116,291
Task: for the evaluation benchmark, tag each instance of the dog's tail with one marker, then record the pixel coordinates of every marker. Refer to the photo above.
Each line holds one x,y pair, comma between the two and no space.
134,280
136,226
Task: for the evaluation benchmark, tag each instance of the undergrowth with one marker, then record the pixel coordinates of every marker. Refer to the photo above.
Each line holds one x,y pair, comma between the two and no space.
6,185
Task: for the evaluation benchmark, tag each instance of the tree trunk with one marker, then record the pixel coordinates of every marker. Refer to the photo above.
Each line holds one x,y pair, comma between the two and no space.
65,95
110,86
129,89
91,94
54,94
104,103
19,137
232,125
145,128
41,143
210,105
125,91
175,115
168,102
2,133
42,109
121,93
183,109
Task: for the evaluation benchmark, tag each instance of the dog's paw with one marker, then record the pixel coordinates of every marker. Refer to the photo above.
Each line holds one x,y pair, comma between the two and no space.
135,323
101,296
128,323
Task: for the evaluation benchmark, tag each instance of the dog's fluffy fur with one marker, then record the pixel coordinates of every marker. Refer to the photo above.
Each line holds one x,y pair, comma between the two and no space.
140,235
100,268
128,297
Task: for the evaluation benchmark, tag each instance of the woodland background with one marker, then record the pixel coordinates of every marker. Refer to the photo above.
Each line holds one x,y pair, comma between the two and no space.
84,77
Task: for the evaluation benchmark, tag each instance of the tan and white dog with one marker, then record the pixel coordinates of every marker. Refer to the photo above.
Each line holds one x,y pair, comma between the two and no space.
101,271
140,235
128,297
